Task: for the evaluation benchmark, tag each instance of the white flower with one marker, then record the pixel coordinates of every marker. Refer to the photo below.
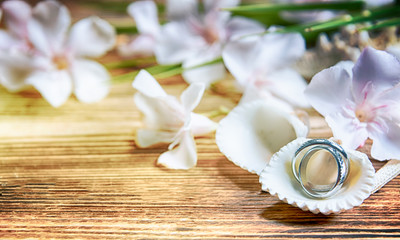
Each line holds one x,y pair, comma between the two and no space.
169,120
199,38
262,67
16,16
57,63
145,15
362,101
394,50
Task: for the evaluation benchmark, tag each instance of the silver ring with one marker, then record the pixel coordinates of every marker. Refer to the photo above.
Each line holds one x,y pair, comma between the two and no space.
300,165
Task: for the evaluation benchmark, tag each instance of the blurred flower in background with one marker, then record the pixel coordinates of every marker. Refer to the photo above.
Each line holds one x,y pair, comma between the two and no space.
190,37
40,50
262,66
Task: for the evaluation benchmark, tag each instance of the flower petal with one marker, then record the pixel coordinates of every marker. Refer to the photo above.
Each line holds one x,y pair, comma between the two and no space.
178,43
385,145
192,95
91,81
288,85
201,125
240,26
147,85
15,68
91,37
143,45
148,137
179,9
210,5
182,157
6,40
330,89
347,129
16,16
55,86
165,113
252,93
145,15
394,50
375,67
48,28
206,74
247,56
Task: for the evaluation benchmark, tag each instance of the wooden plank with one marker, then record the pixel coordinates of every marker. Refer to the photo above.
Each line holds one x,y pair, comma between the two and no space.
75,173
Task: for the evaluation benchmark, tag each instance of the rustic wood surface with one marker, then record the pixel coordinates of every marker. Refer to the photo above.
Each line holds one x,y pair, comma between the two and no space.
75,172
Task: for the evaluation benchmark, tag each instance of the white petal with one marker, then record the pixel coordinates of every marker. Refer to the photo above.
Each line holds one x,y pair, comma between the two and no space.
182,157
253,93
377,3
147,85
375,67
14,70
16,16
91,37
143,45
206,74
386,145
254,55
347,129
201,125
192,95
240,26
179,9
330,89
47,29
289,86
6,40
149,137
91,81
394,50
165,113
210,5
177,43
55,86
145,15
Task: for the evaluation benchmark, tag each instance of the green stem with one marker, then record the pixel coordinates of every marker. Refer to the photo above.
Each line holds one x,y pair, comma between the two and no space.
129,63
366,16
269,8
382,24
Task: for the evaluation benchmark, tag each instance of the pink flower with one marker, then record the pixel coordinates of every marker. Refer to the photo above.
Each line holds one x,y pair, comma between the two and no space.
361,101
57,60
168,120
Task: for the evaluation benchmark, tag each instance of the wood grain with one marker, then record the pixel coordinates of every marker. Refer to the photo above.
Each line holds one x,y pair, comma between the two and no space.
75,173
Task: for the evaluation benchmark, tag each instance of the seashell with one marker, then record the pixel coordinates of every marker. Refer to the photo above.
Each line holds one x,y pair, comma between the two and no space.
254,131
277,178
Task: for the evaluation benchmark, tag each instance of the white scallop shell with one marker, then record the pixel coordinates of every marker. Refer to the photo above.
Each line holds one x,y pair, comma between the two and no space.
254,131
277,178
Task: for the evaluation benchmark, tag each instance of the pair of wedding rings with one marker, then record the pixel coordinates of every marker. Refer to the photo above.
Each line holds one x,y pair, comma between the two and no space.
321,167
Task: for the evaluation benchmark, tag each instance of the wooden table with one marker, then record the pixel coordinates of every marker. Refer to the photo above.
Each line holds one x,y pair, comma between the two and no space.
75,172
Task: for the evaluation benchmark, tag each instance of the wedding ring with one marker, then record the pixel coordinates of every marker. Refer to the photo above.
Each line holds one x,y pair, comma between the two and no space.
321,167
